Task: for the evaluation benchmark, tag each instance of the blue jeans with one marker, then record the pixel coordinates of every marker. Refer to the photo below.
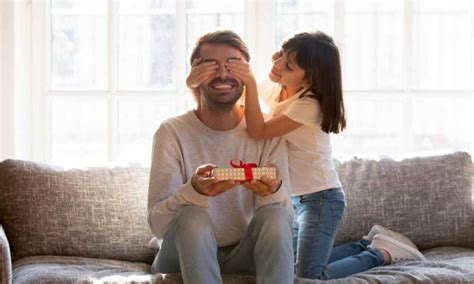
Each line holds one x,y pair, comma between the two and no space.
317,218
352,258
265,250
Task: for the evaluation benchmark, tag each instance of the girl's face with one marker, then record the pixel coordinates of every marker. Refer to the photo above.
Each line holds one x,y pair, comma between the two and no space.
286,72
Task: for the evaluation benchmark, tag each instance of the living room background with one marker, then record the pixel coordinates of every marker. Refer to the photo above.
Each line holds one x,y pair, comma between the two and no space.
88,82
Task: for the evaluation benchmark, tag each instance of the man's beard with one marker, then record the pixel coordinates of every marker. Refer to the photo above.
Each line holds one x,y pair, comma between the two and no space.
221,101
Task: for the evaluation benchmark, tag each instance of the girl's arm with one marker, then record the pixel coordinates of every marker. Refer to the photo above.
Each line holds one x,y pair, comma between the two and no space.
257,127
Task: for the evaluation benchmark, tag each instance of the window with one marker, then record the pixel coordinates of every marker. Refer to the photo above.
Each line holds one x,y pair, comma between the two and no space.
114,72
117,69
408,76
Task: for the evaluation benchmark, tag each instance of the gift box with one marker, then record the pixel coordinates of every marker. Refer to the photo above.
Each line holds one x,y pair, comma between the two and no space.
244,172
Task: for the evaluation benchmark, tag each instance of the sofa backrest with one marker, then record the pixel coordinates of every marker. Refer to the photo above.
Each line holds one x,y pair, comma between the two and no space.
429,199
97,212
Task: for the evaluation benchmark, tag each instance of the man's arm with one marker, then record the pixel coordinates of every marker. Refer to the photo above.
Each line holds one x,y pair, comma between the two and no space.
169,188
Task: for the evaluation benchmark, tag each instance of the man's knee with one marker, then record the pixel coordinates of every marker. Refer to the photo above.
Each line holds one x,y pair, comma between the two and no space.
192,221
274,220
270,213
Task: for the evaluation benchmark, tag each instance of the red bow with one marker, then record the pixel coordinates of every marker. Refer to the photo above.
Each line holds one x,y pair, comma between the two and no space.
247,168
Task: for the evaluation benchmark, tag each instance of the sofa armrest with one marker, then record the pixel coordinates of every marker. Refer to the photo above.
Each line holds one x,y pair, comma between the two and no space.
5,259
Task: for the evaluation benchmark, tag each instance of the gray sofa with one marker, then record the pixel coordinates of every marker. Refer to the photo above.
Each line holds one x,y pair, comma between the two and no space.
89,226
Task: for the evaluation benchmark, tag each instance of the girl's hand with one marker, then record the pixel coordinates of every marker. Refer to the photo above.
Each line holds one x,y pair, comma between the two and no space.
241,69
200,72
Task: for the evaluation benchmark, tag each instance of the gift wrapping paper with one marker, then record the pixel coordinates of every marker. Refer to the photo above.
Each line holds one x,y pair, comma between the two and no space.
239,173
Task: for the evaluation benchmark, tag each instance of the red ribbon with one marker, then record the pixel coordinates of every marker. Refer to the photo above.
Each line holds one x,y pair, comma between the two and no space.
247,168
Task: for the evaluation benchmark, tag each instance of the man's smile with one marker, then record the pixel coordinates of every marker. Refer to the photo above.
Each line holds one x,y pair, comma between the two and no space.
221,86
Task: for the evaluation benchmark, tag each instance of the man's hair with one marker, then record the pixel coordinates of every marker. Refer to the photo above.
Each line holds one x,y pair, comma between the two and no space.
226,37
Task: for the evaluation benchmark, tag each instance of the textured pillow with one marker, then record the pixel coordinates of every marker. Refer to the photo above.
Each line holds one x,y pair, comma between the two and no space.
97,212
429,199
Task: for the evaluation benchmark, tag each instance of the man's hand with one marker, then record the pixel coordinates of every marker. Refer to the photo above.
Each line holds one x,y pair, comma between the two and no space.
265,186
241,69
205,184
200,72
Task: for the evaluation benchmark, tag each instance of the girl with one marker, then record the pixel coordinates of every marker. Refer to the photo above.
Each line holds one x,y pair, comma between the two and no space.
306,106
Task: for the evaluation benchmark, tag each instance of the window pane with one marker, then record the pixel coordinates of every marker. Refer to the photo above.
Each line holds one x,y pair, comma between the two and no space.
198,24
442,121
133,6
91,6
79,52
138,121
147,52
207,15
372,51
79,131
374,124
442,45
389,123
215,6
303,15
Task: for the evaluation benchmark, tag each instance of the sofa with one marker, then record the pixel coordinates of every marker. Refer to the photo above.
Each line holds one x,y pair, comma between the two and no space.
89,225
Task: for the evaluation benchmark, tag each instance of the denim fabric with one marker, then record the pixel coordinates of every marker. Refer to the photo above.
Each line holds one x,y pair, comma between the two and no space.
347,250
352,258
317,218
265,250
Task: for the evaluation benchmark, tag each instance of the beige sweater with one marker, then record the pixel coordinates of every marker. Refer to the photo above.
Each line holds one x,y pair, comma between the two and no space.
183,143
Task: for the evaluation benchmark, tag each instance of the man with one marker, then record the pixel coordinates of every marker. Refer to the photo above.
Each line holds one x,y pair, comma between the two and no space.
211,227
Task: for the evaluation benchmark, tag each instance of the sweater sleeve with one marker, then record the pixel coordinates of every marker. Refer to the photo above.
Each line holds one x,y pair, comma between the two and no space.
275,152
169,187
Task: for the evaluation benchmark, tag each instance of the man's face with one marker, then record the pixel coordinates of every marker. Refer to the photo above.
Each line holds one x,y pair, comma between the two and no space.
222,89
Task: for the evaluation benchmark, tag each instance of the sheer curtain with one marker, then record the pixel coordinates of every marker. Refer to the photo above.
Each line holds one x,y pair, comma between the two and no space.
110,71
6,80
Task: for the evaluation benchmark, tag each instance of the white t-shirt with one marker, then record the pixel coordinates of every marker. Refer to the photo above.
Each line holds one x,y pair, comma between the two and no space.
310,158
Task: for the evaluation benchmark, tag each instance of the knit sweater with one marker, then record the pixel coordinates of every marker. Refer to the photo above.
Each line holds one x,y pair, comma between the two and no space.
183,143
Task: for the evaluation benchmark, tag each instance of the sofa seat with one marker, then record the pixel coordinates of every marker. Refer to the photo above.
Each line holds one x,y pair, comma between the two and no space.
70,269
443,265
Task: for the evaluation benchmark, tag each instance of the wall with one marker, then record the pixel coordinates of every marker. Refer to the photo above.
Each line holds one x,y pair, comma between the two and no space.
7,148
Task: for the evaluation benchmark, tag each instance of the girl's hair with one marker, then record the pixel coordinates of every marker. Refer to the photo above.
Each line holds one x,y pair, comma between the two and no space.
317,54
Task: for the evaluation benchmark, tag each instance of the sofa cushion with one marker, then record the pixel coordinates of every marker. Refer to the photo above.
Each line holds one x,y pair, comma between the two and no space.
97,212
57,269
60,269
429,199
443,265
